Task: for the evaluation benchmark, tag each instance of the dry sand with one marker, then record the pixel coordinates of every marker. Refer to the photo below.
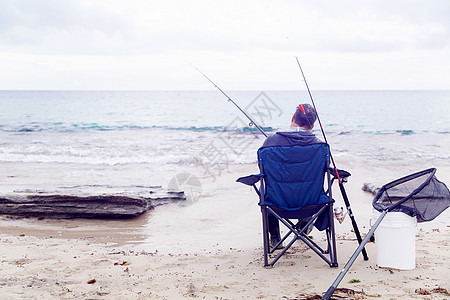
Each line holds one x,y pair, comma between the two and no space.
210,249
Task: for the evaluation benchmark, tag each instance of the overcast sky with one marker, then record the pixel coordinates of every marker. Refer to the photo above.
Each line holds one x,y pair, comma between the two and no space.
242,44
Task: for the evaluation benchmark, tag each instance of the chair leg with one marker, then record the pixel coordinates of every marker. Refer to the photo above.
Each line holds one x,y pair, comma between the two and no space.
300,234
286,248
265,235
333,253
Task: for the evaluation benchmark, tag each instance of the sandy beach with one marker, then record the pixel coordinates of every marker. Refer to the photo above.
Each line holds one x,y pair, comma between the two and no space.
210,248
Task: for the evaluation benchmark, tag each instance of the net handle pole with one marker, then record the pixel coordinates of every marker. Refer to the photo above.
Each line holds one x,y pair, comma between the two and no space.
352,259
341,184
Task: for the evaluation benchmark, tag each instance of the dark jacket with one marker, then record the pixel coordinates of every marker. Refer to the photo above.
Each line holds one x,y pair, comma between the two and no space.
302,137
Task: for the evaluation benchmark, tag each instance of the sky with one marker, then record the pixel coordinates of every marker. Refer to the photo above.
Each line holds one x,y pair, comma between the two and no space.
239,44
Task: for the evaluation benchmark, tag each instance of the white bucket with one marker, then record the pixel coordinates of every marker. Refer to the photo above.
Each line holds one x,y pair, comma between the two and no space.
395,241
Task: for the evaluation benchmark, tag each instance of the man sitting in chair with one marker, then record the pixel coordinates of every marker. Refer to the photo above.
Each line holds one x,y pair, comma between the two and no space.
300,134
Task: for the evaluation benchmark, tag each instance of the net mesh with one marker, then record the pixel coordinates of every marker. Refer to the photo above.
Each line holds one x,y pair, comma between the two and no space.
419,195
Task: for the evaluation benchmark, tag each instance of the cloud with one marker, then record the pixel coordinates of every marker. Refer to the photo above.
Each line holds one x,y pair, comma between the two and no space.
54,27
145,43
376,26
140,27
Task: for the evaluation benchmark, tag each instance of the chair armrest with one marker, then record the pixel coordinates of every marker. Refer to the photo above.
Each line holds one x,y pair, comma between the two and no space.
343,175
250,179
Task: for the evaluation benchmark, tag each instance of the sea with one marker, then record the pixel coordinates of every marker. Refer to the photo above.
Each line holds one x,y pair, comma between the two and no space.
151,138
176,127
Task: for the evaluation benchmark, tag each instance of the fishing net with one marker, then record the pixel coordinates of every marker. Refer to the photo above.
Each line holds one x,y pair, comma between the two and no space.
419,195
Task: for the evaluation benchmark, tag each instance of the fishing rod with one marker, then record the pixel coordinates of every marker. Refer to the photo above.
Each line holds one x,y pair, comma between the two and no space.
341,184
231,100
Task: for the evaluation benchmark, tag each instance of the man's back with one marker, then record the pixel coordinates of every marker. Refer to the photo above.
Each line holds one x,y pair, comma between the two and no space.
299,137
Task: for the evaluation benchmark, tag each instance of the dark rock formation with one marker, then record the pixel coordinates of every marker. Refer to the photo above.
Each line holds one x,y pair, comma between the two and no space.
89,201
371,188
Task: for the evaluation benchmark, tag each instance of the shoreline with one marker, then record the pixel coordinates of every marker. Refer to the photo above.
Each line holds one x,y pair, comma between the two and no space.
210,248
223,208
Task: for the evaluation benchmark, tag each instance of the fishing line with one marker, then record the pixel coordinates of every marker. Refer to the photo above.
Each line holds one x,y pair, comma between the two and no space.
318,119
231,100
341,185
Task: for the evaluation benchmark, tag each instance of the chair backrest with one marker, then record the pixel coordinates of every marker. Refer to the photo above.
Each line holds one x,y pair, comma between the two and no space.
294,175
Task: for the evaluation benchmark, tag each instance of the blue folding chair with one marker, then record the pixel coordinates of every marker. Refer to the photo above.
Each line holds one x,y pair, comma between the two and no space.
292,189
